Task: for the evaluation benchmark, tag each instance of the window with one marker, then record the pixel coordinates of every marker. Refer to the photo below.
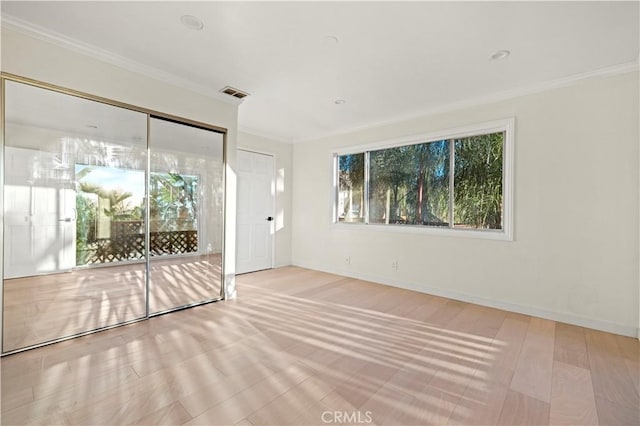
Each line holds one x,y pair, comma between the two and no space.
351,188
410,184
477,181
457,181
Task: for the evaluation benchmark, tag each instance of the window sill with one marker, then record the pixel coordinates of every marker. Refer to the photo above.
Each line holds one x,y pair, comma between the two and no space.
483,234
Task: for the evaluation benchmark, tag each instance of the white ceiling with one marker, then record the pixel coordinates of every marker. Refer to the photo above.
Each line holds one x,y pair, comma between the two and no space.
393,59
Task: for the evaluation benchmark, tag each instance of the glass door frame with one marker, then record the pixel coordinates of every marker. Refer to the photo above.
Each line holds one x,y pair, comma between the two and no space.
4,77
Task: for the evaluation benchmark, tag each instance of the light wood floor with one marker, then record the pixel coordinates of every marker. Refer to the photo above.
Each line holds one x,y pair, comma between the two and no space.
46,307
299,347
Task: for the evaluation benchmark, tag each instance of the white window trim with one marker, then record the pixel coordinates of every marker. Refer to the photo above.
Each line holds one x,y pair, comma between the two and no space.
504,125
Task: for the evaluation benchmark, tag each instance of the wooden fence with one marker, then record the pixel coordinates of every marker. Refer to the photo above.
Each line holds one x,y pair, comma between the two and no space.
127,242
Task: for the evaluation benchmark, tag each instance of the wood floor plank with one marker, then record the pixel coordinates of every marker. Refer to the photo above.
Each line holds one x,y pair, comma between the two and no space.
335,402
610,374
428,309
533,372
89,385
634,373
294,406
505,351
125,405
18,382
17,398
481,404
478,321
172,414
520,409
630,350
409,302
387,405
364,382
484,397
616,395
570,346
431,406
572,398
208,395
239,406
613,413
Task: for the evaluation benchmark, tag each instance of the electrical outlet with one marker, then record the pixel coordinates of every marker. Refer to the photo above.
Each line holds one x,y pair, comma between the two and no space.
348,260
394,265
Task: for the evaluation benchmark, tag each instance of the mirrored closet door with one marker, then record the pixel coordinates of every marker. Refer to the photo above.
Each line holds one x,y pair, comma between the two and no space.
110,215
185,215
74,174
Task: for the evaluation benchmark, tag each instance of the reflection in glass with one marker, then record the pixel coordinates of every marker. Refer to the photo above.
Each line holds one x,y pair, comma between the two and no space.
110,222
74,181
185,215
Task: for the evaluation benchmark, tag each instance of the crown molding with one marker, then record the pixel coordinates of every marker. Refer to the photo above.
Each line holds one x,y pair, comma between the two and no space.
623,68
35,31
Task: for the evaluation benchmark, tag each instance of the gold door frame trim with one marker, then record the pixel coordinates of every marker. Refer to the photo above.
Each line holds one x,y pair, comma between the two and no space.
2,129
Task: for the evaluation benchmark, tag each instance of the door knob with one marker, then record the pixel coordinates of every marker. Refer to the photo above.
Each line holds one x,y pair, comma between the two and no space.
269,218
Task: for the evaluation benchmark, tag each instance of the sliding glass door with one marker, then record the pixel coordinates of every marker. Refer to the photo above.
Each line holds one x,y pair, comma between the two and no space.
110,215
185,215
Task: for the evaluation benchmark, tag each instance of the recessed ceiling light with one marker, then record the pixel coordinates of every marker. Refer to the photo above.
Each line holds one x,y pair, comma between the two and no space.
500,54
339,102
191,22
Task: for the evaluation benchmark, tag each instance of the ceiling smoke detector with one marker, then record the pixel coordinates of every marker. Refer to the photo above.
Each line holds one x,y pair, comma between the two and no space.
236,93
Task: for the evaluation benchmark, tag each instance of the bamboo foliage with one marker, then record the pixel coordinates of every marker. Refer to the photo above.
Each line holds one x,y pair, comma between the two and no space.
478,181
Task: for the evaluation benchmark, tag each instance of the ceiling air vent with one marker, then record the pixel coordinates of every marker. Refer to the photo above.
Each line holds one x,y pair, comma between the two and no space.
236,93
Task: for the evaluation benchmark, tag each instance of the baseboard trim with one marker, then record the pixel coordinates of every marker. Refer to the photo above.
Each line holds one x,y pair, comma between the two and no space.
533,311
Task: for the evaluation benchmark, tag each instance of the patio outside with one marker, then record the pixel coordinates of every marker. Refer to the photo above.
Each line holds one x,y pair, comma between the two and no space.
110,221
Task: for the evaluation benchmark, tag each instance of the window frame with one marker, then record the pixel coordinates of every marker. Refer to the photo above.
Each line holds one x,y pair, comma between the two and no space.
506,125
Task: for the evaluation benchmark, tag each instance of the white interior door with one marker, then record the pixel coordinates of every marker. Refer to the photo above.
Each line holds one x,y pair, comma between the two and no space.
39,214
255,211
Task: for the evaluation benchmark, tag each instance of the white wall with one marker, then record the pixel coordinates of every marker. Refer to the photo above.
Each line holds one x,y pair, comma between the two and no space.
34,58
283,153
576,212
